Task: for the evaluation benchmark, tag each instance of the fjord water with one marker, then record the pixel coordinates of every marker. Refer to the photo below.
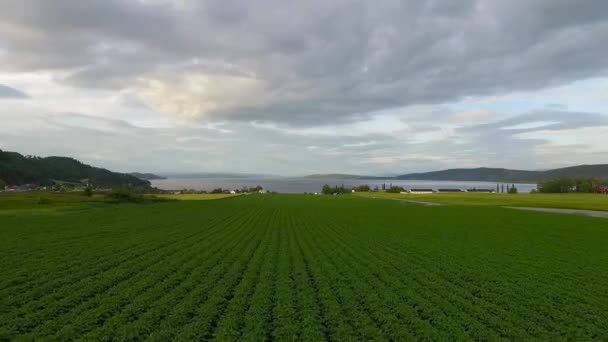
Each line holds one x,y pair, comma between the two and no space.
301,185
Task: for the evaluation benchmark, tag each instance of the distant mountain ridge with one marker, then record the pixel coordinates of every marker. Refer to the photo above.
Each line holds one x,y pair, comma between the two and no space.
146,176
598,171
227,175
335,176
16,169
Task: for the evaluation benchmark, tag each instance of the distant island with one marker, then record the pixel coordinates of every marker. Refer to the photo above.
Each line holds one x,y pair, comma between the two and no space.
17,169
485,174
146,176
599,171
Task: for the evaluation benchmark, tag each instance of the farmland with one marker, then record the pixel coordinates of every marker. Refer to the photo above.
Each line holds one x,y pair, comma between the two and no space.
297,267
195,197
565,201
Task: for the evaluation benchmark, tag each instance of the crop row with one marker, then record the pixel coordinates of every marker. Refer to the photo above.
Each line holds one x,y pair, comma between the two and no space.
297,268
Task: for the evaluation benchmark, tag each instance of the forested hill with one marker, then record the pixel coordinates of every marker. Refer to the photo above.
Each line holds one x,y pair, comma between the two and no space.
146,176
16,169
599,171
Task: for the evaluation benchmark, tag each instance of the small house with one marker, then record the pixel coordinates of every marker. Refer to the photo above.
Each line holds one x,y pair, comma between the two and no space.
420,191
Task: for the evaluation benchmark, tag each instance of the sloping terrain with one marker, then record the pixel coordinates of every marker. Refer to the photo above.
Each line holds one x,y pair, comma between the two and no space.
16,169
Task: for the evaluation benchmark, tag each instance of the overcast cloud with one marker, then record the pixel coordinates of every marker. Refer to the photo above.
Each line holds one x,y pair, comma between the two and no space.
8,92
316,86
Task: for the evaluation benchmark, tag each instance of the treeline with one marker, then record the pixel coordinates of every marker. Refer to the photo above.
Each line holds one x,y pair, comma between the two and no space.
16,169
567,185
329,190
242,190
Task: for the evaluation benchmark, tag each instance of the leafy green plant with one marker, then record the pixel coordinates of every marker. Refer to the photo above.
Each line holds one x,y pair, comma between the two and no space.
43,201
296,267
88,192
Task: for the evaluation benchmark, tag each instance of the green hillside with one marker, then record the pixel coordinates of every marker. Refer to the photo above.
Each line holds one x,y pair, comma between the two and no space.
16,169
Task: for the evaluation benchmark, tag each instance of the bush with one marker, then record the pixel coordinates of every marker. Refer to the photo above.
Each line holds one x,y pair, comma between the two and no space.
395,189
88,192
123,195
513,189
43,201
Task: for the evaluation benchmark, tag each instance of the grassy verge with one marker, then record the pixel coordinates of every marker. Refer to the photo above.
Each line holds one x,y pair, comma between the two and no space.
566,201
50,201
196,197
44,200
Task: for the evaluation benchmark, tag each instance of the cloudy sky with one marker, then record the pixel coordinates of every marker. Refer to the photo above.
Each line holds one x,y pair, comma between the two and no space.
292,88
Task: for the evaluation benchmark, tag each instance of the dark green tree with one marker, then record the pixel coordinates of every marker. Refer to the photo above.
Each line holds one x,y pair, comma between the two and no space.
561,185
88,191
257,188
327,190
395,189
362,188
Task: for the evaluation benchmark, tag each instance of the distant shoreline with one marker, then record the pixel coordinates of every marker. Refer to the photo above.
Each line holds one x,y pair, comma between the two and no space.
302,185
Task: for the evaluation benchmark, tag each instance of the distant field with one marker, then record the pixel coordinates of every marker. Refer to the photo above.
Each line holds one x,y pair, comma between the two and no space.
42,200
196,197
45,201
570,201
302,267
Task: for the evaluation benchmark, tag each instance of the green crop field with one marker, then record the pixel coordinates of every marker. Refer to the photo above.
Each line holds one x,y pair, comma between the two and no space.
195,197
564,201
301,267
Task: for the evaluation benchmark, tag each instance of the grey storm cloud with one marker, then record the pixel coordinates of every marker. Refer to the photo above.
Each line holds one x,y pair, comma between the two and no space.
305,63
8,92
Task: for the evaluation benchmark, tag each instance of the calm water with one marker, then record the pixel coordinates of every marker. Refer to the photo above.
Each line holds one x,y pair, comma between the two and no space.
301,185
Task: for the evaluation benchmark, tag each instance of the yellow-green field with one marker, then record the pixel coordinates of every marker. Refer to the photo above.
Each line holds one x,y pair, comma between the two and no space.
566,201
195,197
